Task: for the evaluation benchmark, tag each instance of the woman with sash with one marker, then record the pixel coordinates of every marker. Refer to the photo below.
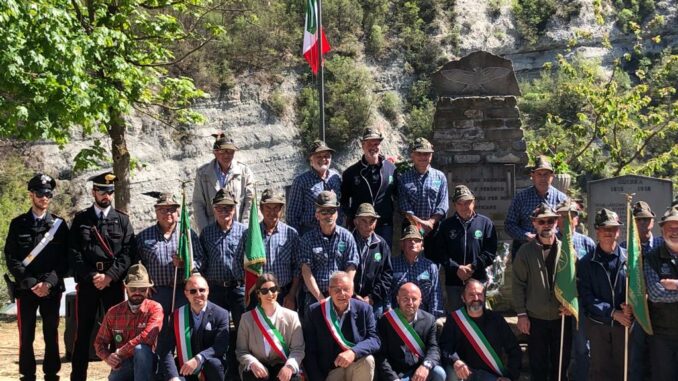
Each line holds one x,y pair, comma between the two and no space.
270,344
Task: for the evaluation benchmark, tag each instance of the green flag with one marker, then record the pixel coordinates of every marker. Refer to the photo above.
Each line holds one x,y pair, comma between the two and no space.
635,278
185,249
566,273
255,254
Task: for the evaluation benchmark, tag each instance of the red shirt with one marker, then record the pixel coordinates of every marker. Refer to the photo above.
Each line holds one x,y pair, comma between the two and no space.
125,329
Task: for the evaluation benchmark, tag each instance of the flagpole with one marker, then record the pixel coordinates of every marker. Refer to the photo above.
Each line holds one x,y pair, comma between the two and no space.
629,199
321,71
562,335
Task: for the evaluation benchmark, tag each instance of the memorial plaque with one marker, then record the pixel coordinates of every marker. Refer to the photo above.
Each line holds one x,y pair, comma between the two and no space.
610,194
493,186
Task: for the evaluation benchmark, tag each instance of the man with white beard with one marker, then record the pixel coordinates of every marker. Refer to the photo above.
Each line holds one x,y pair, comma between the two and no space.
661,276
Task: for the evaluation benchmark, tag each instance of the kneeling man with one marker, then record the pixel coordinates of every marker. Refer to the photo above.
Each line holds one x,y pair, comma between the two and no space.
340,335
409,348
131,329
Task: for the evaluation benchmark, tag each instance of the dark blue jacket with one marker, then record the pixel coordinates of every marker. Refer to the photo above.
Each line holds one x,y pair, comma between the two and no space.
600,295
461,242
322,350
374,274
355,190
210,340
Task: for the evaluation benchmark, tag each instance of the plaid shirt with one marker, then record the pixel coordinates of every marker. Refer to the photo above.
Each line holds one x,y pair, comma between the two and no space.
582,244
518,222
282,255
656,292
325,255
156,253
123,330
424,274
301,202
423,195
646,247
221,261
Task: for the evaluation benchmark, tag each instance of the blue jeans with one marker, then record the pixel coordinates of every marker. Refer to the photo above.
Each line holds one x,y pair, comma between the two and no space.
581,352
638,354
139,367
436,374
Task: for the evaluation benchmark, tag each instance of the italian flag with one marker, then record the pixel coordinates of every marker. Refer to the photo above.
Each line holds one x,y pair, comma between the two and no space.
310,50
255,253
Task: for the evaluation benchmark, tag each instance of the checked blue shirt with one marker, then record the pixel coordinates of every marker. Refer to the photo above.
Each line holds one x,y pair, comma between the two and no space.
301,201
518,222
424,273
582,244
325,255
423,195
656,292
282,252
221,261
156,253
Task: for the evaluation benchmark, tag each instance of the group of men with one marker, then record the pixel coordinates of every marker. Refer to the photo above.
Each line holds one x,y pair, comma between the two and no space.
334,246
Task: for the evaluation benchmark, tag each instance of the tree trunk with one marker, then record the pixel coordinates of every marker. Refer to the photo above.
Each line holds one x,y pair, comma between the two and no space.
121,160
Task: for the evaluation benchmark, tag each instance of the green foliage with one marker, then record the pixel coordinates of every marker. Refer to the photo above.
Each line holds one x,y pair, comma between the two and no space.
390,106
632,11
278,103
494,8
532,17
420,121
413,25
348,103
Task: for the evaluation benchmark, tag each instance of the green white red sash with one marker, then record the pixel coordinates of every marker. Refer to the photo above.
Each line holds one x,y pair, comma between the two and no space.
478,341
332,322
271,334
406,332
182,333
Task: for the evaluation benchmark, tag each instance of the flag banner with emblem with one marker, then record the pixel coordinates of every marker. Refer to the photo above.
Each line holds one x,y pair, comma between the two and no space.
255,253
185,249
565,286
310,49
635,278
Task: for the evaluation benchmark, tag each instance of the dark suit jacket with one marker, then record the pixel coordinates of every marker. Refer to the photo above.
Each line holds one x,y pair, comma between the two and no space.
209,343
394,358
322,350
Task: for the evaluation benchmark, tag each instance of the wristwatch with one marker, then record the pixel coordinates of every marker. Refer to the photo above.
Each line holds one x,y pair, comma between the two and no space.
428,365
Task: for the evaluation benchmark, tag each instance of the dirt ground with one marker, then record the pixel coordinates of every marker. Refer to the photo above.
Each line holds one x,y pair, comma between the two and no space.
9,353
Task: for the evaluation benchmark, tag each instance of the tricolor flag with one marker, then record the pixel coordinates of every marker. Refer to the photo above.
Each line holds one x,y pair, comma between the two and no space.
635,281
185,249
566,275
310,50
255,254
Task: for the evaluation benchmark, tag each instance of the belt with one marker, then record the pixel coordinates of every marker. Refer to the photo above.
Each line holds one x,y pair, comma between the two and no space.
230,283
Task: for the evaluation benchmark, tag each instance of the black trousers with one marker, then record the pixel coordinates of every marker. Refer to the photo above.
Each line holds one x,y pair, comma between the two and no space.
543,345
27,305
87,301
664,357
607,351
273,371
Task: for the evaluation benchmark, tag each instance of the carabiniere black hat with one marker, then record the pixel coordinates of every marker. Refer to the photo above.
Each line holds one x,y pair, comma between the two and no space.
103,181
41,182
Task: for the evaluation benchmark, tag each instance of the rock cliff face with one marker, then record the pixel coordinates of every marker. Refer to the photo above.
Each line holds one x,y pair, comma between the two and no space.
271,145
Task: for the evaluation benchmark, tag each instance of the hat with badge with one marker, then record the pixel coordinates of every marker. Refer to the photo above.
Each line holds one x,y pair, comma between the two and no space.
223,142
271,197
670,215
41,183
411,232
319,146
421,145
605,217
366,210
544,210
326,199
542,162
568,205
137,276
162,199
641,209
224,198
462,193
104,181
371,133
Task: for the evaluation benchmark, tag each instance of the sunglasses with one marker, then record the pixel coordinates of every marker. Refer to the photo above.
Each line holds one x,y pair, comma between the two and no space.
194,291
264,290
548,221
103,192
41,194
166,210
327,212
224,209
140,290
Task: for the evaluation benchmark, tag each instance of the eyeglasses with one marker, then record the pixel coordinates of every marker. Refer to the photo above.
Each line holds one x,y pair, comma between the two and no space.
41,194
264,290
140,290
548,221
194,291
166,210
327,212
224,208
103,192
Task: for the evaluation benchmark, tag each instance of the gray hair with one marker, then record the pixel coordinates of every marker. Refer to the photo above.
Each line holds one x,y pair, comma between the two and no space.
340,275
